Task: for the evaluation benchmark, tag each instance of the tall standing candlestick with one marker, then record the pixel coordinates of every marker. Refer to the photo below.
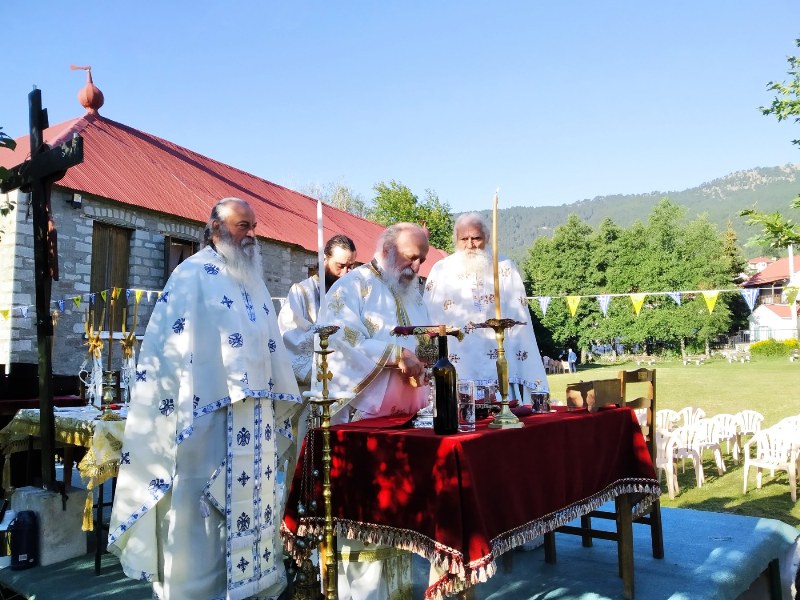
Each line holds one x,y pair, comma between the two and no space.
320,254
494,260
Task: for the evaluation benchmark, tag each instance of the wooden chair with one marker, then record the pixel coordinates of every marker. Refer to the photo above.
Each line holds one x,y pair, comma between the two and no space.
622,514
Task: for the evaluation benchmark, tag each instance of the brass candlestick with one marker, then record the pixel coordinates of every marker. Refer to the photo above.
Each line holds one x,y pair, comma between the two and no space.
308,588
109,394
505,419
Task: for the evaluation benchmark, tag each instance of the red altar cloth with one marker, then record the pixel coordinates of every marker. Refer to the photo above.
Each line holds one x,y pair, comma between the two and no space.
464,499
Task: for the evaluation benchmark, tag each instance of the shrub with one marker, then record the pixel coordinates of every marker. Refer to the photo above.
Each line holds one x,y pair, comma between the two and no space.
773,347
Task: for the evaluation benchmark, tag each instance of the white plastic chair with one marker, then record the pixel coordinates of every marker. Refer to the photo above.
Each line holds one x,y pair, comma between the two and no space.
667,419
776,449
665,460
749,421
684,447
727,430
707,438
689,415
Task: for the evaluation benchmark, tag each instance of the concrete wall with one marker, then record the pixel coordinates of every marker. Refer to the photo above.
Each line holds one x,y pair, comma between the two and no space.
283,265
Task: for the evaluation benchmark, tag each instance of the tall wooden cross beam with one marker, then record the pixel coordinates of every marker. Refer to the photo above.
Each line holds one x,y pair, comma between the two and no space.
36,175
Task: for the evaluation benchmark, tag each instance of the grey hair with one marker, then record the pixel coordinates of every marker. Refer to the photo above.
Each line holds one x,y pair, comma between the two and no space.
219,212
471,218
388,238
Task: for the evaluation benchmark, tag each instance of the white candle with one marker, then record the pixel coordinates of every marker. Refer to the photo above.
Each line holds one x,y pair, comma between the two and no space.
494,260
320,254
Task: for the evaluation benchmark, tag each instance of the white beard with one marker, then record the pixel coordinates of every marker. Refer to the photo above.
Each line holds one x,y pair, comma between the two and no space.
243,262
402,283
474,262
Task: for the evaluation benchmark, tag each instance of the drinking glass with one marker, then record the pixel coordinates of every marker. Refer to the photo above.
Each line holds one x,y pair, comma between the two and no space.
466,406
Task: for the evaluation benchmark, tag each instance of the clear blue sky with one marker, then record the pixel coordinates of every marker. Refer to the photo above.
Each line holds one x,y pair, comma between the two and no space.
553,102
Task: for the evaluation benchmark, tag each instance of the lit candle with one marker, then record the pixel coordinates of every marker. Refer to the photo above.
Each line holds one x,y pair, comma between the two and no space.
320,254
494,260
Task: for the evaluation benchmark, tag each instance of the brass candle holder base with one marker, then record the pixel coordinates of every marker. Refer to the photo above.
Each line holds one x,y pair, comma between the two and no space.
505,419
109,394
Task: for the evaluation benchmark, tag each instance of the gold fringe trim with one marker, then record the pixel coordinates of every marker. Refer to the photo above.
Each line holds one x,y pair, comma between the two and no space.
458,575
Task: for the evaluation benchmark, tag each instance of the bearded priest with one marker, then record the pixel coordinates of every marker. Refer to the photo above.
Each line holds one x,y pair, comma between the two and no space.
196,509
460,290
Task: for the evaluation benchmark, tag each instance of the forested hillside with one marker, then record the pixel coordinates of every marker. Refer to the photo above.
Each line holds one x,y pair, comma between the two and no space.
768,188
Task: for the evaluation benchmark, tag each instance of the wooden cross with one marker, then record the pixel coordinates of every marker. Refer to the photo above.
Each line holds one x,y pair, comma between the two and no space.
36,175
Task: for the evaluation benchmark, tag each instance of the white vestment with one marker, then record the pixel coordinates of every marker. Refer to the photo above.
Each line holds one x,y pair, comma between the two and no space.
196,507
366,354
364,361
455,297
296,321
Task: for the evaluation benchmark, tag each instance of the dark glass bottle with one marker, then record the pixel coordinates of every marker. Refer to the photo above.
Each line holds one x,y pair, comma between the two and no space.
445,416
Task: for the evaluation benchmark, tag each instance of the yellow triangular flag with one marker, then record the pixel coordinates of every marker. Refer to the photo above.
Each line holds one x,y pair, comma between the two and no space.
114,293
572,303
791,293
138,295
637,300
5,312
711,299
77,301
104,294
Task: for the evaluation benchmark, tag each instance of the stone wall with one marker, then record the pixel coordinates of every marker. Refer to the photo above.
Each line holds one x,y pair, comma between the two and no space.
283,265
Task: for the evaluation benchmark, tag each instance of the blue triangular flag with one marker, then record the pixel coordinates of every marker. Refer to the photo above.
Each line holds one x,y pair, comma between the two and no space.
676,296
604,300
750,295
544,302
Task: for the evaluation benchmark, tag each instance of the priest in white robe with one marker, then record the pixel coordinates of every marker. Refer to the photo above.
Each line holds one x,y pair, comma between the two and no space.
196,510
385,375
460,290
296,321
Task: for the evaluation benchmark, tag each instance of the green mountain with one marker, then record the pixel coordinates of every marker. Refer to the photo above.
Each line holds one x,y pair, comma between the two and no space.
769,189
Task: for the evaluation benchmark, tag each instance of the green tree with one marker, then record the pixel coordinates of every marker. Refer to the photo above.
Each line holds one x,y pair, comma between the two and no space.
776,230
395,202
7,205
338,195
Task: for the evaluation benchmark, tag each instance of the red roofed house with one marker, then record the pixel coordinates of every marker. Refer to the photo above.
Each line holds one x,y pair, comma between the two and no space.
772,317
127,215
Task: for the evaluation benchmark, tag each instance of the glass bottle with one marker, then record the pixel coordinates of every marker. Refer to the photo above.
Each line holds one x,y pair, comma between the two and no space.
445,417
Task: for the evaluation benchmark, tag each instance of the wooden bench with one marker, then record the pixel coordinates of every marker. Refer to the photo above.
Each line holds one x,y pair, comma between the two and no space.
698,359
738,356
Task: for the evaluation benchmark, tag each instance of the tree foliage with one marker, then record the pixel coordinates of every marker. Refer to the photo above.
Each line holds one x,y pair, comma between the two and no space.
778,231
667,253
338,195
395,202
7,205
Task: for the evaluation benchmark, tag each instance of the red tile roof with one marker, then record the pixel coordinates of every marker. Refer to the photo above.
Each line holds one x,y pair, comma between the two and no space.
776,271
782,310
139,169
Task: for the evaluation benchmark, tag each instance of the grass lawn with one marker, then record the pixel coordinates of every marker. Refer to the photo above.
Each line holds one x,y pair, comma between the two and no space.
769,385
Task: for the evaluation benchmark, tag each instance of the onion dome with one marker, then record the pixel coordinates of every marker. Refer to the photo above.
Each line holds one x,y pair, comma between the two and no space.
90,97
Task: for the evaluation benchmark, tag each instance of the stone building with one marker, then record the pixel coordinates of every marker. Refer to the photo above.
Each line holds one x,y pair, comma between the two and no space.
126,217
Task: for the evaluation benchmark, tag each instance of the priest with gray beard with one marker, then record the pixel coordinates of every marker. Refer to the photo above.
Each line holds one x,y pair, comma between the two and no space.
367,304
384,374
460,290
197,509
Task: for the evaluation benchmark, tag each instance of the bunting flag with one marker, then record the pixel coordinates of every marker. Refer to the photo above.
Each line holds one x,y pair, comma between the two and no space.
91,298
5,312
676,296
61,305
114,293
544,302
572,303
711,299
138,295
128,293
77,302
23,311
750,295
791,294
638,301
604,300
104,295
149,294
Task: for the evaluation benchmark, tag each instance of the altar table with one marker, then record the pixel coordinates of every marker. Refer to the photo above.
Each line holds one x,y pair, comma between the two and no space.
74,426
462,500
